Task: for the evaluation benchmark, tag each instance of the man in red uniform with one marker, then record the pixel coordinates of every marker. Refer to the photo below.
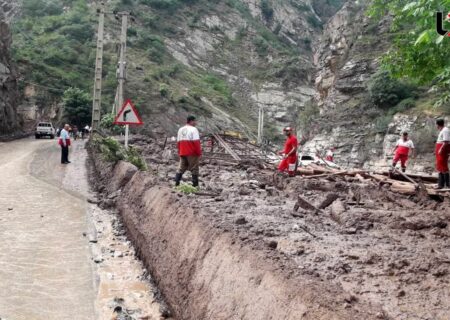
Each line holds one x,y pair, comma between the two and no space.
189,150
403,148
330,155
442,154
289,153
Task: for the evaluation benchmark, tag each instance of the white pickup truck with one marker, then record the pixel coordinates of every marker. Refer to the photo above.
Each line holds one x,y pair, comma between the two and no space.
44,129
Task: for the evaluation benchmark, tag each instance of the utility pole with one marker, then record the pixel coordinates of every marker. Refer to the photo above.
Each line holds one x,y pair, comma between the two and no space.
260,125
97,96
123,67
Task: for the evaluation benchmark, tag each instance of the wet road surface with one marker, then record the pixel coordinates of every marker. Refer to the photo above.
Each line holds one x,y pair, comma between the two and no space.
45,262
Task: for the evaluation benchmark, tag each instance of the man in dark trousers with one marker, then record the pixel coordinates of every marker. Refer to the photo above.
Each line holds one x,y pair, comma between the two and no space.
64,142
189,150
442,154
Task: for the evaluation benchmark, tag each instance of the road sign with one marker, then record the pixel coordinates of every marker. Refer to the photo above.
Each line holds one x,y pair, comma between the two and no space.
128,115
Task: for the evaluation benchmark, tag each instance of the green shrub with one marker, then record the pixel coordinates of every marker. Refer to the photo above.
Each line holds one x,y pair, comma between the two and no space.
186,188
133,156
163,90
403,105
262,46
386,92
107,123
113,151
267,10
39,8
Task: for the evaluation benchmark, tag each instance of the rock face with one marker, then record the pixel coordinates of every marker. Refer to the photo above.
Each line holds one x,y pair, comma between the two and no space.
9,120
346,58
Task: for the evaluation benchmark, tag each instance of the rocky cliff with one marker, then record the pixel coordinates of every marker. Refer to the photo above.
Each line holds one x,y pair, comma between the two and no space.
346,58
9,120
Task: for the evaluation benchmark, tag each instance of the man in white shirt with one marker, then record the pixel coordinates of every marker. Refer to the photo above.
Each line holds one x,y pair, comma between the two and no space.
64,142
403,149
189,150
442,154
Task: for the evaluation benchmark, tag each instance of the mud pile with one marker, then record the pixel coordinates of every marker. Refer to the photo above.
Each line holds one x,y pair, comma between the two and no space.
254,245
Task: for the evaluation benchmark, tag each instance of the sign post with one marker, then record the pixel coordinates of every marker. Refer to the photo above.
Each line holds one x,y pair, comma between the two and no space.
128,115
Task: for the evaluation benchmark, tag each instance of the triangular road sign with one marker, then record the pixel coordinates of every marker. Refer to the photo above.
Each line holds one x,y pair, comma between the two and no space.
128,115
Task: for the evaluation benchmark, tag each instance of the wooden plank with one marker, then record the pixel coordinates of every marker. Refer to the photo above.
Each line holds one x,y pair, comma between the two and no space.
326,175
226,147
406,177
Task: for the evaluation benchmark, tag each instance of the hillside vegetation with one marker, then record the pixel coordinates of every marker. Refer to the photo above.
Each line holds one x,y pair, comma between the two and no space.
212,58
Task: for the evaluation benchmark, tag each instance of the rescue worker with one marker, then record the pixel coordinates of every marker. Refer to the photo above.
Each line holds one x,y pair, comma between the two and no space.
289,153
189,150
329,156
403,149
64,142
442,154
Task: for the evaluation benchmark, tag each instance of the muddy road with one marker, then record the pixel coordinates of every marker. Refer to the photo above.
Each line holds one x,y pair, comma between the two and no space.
62,257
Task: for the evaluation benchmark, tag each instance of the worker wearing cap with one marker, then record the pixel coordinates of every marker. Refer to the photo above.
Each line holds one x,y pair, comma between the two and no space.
289,153
189,150
403,149
442,154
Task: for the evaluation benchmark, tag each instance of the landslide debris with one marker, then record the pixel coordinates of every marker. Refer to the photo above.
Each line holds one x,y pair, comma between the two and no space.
381,247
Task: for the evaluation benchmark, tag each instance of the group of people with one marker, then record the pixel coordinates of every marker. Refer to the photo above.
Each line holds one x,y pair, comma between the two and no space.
76,133
404,148
189,151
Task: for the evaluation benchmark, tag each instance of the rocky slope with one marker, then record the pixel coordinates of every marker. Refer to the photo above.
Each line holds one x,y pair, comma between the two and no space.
347,57
218,59
307,63
9,120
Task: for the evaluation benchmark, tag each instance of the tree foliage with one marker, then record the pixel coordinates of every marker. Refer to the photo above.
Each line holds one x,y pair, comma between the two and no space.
386,92
418,52
77,106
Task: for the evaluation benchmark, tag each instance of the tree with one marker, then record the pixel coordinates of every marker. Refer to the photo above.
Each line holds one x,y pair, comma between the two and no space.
386,92
418,52
77,106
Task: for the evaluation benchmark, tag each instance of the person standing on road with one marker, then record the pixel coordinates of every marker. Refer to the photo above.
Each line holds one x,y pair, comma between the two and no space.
289,153
189,150
403,149
442,154
64,142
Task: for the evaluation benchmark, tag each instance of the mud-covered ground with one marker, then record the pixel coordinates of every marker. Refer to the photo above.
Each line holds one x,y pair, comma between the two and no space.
384,248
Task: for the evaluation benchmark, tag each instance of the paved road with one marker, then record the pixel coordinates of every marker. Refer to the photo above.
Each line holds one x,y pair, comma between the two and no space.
45,262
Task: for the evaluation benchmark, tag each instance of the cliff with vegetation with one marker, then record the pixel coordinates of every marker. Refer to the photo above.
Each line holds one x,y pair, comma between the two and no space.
9,120
315,65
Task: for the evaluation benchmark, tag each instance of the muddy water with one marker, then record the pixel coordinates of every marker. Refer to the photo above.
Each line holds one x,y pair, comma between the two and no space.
60,256
45,269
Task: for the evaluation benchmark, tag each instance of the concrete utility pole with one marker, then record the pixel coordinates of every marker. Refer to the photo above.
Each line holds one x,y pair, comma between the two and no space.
261,125
97,96
123,67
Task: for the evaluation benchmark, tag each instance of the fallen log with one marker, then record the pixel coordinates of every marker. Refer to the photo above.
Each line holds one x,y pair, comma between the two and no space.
305,204
427,178
406,177
305,171
403,187
327,175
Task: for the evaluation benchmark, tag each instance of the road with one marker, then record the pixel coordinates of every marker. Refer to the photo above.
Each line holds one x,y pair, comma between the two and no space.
45,262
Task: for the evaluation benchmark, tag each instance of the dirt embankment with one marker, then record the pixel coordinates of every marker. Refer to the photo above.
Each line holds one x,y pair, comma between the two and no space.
209,264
